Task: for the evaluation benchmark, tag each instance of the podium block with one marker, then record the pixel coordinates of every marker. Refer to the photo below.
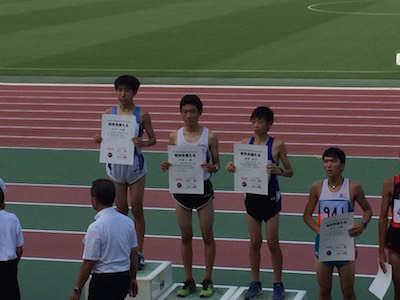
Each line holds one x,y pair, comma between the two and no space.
290,294
154,280
222,292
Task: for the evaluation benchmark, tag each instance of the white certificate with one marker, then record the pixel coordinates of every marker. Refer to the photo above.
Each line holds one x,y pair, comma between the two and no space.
382,281
117,132
185,173
251,174
335,243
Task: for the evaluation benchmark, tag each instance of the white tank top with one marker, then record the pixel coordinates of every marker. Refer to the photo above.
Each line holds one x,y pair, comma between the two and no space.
334,203
202,142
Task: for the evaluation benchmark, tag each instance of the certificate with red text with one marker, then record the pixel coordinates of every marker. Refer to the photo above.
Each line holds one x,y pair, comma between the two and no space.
117,132
335,243
186,176
251,174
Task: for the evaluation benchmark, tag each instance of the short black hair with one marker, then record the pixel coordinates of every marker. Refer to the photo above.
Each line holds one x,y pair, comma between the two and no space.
263,112
191,99
104,191
127,80
335,153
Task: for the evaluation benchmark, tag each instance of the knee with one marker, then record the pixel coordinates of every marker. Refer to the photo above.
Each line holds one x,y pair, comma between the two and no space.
137,212
255,244
324,292
186,238
273,246
348,292
208,239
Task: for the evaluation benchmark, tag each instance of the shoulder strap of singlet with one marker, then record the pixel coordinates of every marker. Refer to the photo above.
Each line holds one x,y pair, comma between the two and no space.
114,110
397,179
269,144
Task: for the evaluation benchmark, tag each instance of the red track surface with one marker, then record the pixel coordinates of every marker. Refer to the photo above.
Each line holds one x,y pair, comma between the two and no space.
362,122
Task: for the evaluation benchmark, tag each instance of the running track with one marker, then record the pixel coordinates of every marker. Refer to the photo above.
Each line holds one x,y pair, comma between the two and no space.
362,122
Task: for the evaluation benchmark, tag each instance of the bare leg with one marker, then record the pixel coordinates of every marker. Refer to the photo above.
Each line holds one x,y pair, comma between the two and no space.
184,219
346,276
137,195
324,277
394,260
206,219
273,244
254,228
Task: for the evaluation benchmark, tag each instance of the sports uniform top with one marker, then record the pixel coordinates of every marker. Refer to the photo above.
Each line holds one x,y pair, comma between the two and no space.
331,204
202,142
273,185
129,173
395,203
334,203
139,130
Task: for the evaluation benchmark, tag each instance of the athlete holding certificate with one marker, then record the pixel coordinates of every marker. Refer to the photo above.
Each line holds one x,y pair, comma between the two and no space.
265,207
131,178
193,134
334,196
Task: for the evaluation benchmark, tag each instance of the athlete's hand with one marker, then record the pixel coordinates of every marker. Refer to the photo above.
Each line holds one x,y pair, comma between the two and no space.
139,142
382,260
356,230
209,168
165,165
97,138
230,167
274,169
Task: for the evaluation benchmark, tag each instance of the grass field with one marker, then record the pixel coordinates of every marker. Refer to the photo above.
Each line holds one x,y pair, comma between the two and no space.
224,42
208,41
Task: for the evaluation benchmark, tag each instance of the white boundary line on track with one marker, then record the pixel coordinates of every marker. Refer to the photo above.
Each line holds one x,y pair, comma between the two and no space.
208,86
198,267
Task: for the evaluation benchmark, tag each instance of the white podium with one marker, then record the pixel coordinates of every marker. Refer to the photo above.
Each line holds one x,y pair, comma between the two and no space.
154,280
290,294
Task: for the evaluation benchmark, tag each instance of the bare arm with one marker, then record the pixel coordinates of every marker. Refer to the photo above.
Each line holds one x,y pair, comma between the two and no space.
357,193
282,155
97,137
387,190
133,291
148,128
19,251
84,272
213,146
315,191
173,136
230,166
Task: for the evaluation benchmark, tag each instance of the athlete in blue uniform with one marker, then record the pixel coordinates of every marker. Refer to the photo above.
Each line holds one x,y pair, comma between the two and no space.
389,237
335,195
265,208
131,178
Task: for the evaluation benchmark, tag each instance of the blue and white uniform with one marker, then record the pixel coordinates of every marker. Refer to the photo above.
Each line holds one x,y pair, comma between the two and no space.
263,207
129,174
331,204
190,201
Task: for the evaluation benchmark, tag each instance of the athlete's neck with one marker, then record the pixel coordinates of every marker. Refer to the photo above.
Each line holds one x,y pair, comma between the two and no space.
261,139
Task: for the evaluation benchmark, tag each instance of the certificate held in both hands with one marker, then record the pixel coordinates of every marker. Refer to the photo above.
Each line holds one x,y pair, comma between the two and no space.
251,174
186,176
335,243
117,132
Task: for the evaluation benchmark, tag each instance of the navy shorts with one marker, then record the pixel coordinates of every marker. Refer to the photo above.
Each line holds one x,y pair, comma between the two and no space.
261,207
